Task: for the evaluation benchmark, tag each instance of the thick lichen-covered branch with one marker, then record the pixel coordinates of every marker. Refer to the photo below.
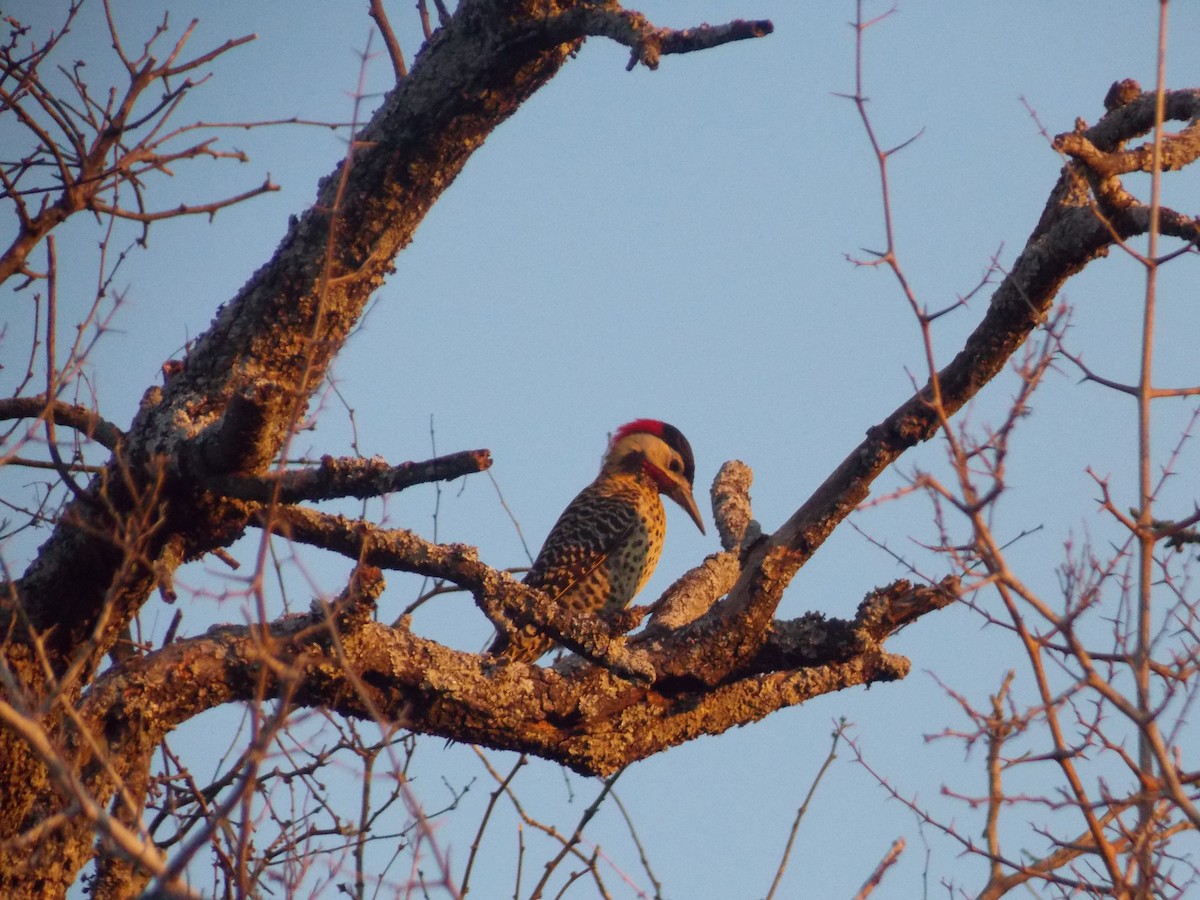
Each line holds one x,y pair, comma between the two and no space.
586,717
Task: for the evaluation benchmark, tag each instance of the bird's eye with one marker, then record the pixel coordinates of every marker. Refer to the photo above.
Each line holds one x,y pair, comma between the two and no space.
675,466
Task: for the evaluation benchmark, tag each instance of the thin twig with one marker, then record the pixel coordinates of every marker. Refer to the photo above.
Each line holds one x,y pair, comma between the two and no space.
379,14
812,790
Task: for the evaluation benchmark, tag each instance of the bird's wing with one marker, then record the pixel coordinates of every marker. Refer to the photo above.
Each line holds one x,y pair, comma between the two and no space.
589,529
570,563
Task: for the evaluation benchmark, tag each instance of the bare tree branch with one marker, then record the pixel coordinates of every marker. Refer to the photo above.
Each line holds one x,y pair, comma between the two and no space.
379,15
348,477
82,419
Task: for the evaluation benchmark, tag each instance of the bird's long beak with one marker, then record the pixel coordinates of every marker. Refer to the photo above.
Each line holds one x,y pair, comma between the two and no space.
682,495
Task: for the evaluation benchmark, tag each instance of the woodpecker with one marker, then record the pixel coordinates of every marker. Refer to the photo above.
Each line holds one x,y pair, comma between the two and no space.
606,543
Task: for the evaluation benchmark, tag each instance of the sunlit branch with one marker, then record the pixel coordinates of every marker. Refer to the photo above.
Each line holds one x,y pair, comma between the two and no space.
349,477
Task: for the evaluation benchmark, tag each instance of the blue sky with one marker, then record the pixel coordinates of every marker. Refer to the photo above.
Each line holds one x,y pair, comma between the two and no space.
674,244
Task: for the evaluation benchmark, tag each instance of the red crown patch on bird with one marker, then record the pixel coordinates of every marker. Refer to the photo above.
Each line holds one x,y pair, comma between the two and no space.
637,426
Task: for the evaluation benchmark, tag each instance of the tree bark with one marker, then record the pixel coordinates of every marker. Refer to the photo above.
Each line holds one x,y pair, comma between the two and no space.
192,472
